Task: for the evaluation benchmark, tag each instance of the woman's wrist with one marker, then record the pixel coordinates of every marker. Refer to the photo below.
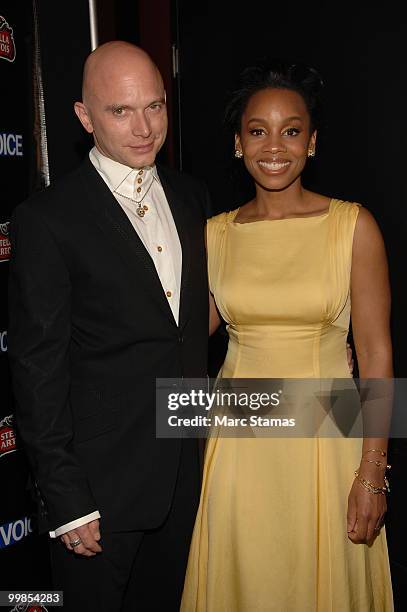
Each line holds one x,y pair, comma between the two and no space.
371,486
372,471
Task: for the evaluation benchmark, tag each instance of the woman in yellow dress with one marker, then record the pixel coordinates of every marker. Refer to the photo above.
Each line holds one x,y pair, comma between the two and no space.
285,525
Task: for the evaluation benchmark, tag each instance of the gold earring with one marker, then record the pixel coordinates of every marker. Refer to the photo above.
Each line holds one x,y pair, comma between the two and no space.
311,152
238,154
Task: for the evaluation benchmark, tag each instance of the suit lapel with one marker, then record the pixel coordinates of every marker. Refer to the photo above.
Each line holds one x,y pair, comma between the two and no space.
113,221
180,215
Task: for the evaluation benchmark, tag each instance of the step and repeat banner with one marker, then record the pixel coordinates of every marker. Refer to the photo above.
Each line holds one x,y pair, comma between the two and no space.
40,139
23,554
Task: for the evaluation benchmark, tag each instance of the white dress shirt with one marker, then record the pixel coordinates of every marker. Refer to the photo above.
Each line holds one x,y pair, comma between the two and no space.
140,189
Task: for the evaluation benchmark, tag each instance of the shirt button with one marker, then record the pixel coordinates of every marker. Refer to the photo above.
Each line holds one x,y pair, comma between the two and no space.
145,207
141,172
159,249
138,189
139,180
168,294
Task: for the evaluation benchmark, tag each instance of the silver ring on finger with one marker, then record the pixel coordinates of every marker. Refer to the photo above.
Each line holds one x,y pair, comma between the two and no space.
76,542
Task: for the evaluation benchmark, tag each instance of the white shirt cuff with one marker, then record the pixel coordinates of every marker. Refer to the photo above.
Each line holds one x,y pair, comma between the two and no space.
73,524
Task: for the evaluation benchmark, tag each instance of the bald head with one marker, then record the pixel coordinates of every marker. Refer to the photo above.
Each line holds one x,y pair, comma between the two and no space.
123,103
104,63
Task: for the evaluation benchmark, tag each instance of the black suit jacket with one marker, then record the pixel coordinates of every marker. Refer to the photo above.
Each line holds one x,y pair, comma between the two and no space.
90,330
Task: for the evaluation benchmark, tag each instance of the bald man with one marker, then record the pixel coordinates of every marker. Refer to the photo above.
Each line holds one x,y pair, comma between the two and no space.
108,291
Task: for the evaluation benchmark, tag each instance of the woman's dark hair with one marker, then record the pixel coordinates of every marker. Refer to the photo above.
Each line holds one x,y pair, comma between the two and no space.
276,74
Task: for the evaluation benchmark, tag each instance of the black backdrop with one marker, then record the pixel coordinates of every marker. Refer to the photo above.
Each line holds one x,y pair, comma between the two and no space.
19,549
359,50
24,562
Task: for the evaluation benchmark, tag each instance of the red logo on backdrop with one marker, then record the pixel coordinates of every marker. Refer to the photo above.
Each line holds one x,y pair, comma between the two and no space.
7,45
7,437
5,246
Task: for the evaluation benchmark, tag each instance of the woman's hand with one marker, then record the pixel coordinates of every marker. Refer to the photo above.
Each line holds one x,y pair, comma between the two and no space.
366,511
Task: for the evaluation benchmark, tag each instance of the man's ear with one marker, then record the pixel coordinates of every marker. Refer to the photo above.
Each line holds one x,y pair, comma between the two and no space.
83,116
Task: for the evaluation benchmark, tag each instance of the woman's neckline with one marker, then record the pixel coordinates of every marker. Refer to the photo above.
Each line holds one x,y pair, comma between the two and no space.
320,216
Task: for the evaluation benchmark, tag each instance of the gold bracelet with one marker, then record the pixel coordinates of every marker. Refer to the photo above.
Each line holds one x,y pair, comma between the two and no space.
372,488
375,450
377,463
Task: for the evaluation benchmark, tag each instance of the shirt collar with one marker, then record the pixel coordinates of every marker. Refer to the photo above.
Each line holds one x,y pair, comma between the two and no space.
117,175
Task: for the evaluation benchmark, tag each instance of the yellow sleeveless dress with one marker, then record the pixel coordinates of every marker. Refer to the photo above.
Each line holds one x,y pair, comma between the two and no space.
270,533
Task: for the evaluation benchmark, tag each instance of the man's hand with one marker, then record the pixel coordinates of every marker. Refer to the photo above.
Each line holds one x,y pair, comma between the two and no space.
89,536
